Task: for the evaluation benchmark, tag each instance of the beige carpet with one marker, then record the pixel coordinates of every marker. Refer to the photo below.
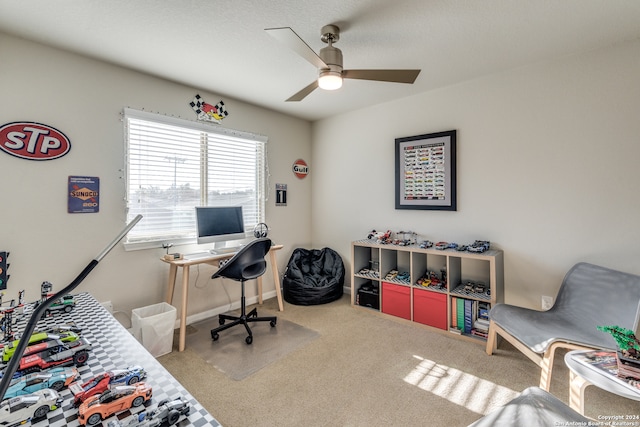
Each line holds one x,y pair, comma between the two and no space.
231,355
367,369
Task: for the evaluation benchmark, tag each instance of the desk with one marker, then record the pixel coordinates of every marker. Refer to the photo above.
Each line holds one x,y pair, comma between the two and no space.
113,348
601,373
212,260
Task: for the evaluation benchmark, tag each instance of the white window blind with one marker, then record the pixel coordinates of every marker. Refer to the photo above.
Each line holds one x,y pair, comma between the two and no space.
173,165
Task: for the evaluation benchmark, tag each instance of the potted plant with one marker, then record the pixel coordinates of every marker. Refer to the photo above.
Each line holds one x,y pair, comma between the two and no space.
628,354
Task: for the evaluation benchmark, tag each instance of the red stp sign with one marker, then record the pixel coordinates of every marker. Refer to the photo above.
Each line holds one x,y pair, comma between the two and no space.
33,141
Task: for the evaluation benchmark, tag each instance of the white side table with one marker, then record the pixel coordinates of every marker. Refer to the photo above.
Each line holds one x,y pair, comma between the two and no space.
599,368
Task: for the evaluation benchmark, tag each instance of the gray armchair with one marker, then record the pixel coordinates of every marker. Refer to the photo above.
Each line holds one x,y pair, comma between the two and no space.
588,297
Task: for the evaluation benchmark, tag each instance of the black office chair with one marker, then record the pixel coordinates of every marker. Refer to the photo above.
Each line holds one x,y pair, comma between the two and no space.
247,264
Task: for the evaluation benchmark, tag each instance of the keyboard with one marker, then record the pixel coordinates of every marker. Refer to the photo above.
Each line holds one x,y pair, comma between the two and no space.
224,251
197,255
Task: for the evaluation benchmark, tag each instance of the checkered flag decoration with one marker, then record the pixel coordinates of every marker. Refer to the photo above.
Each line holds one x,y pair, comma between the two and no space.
208,112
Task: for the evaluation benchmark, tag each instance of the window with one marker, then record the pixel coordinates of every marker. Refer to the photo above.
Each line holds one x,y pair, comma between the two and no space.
173,165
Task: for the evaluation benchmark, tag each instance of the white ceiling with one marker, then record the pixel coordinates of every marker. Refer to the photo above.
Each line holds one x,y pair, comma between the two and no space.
221,46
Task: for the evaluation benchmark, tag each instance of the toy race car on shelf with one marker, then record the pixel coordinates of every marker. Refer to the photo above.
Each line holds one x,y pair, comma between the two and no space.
441,246
102,382
37,338
55,379
120,398
479,246
53,353
426,244
66,303
168,411
19,410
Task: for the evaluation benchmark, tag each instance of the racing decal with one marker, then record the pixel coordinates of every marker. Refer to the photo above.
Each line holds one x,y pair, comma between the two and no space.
33,141
208,112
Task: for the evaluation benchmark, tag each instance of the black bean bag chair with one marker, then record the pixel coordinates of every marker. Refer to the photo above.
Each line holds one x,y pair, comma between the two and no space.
313,277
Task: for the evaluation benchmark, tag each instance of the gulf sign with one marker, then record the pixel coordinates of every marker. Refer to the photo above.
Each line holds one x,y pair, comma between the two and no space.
33,141
300,168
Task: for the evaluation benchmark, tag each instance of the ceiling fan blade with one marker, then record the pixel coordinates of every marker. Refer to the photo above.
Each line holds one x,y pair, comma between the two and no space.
394,76
292,40
304,92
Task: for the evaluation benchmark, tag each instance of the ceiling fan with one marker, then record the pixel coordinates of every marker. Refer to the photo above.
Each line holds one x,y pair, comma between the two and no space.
329,62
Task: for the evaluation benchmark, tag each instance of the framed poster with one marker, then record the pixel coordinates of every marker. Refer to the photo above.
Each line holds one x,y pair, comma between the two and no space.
83,194
426,171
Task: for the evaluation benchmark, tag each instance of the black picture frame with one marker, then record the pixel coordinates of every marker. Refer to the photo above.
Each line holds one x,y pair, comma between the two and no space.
426,171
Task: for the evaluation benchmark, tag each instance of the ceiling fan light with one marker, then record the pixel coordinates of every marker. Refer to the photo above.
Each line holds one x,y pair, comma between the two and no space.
330,80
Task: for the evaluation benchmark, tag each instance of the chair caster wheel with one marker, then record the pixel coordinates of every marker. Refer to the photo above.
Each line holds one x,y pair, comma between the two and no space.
221,322
249,339
272,323
215,337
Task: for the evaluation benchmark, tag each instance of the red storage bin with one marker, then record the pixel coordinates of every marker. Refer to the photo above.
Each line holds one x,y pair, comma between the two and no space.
396,300
430,308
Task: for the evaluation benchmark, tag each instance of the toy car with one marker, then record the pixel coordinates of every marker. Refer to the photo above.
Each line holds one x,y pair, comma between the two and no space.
403,277
391,275
66,304
120,398
426,244
55,379
441,246
168,411
479,246
102,382
95,385
480,288
54,353
37,338
128,376
18,410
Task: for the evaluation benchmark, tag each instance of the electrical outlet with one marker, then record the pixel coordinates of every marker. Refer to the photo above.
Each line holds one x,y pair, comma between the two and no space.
108,305
547,302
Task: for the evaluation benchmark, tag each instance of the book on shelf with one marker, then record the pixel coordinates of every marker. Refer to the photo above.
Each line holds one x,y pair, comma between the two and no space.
460,313
607,363
469,315
481,325
454,316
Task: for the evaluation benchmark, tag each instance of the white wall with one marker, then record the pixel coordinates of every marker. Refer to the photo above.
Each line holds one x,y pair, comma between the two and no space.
547,168
84,99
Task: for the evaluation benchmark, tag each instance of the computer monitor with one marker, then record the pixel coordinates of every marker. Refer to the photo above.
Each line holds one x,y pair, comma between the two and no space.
219,223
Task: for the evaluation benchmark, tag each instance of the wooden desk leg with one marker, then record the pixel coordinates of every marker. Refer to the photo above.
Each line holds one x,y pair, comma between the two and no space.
171,286
577,384
183,313
276,278
260,290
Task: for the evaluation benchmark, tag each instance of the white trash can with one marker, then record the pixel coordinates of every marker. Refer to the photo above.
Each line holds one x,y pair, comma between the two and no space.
153,327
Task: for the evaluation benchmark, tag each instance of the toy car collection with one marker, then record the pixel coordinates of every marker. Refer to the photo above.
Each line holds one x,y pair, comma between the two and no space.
386,238
43,372
55,379
96,408
19,410
168,411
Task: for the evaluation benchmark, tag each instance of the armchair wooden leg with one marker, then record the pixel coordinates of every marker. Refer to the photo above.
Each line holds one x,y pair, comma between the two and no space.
577,385
546,366
492,339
